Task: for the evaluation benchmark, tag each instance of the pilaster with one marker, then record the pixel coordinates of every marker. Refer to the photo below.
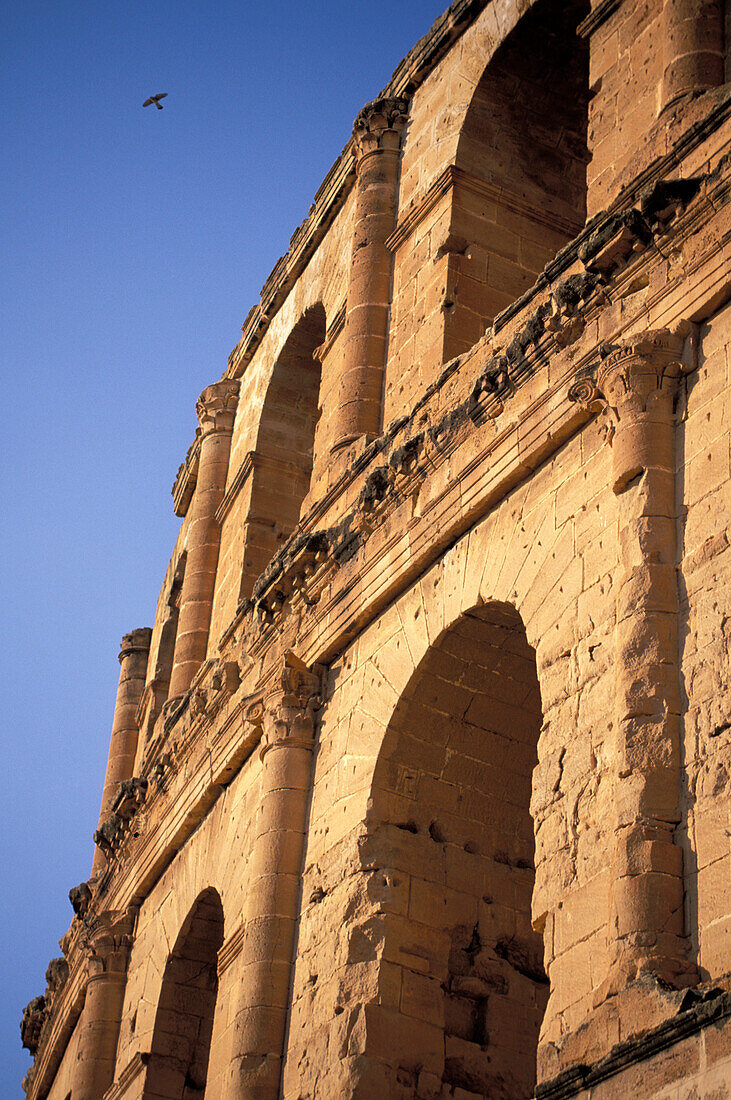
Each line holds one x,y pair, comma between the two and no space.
107,942
133,656
377,137
286,719
692,48
216,409
635,388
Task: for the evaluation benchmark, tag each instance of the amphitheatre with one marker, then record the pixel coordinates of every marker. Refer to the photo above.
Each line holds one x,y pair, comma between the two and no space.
418,783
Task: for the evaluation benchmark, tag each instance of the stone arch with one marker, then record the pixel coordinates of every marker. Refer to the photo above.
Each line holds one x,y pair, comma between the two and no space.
493,182
554,563
281,463
450,803
521,159
181,1040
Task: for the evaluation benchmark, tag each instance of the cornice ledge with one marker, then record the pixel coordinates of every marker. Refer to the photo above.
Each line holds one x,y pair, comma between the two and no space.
696,1011
186,477
137,1063
431,47
58,1030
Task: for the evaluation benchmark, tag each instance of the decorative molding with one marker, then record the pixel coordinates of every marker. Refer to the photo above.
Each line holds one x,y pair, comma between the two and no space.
599,15
231,948
186,477
254,461
697,1011
335,327
452,178
128,1076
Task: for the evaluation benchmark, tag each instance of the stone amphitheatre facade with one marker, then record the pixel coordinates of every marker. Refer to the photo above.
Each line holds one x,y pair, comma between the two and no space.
419,784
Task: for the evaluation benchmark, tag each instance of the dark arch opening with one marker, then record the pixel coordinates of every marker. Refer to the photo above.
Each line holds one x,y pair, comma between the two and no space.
451,796
285,445
181,1040
520,193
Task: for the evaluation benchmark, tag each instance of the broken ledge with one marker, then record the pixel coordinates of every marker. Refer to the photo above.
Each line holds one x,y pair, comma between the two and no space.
697,1010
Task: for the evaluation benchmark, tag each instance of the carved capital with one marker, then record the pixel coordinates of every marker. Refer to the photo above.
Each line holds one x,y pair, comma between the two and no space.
380,125
634,391
137,641
287,716
640,370
584,392
107,941
216,406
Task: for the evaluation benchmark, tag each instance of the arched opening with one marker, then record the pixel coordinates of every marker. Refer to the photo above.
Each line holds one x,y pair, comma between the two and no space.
520,186
451,800
157,688
285,446
181,1040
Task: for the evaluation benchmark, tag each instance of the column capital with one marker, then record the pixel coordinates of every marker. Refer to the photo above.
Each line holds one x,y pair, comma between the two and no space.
380,125
137,641
633,388
216,406
286,715
107,941
640,368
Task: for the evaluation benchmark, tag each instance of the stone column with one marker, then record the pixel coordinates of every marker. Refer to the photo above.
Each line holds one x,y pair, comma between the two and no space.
377,136
133,656
216,410
108,943
692,48
273,897
637,385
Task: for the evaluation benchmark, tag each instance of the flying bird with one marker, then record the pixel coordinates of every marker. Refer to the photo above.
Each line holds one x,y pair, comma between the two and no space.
156,100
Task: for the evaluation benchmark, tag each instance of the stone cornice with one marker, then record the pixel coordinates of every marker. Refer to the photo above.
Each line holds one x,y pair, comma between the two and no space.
612,264
186,477
66,1011
698,1010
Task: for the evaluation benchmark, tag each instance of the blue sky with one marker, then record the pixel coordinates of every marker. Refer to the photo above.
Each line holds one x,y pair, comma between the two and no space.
134,242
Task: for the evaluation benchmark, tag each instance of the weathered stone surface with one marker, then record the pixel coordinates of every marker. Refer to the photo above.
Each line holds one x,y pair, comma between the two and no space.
418,787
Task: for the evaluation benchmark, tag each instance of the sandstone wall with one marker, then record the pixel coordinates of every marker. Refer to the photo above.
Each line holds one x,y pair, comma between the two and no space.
217,857
549,552
705,496
430,760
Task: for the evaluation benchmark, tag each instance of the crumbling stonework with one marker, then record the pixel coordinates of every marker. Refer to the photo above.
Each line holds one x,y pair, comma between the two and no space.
418,785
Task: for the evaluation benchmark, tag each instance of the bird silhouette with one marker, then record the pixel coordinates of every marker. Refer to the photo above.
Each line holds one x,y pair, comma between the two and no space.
156,100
